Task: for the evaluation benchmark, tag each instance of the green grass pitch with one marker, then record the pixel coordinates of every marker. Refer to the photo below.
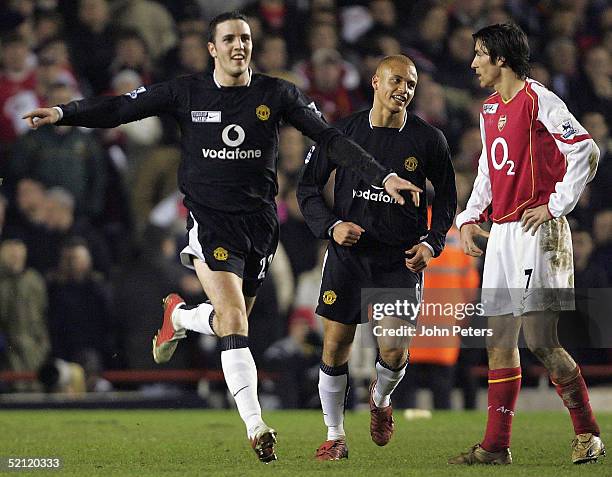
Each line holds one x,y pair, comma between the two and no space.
211,443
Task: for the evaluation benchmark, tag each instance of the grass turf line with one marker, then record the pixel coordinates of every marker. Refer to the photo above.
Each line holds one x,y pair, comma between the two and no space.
211,443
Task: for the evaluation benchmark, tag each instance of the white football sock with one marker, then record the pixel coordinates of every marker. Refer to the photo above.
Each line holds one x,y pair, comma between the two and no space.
386,381
332,391
241,378
195,319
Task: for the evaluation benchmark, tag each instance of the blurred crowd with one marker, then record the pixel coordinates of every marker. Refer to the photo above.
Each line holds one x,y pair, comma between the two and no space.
91,220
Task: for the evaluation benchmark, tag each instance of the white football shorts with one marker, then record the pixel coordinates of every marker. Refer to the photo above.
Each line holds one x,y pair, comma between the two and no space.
524,273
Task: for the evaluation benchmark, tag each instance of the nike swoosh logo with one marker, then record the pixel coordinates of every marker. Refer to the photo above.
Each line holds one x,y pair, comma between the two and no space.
241,390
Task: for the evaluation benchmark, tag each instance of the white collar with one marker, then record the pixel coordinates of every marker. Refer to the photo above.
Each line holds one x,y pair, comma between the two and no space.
220,86
400,129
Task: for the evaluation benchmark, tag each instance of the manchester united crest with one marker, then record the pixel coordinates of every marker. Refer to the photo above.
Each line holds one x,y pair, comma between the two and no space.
411,164
262,112
501,122
329,297
220,254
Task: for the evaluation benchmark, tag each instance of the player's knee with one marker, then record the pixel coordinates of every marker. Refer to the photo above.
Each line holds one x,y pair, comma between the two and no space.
503,357
393,357
232,320
544,354
542,343
335,352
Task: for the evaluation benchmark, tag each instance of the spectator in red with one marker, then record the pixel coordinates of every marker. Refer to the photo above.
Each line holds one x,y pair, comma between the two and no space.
17,89
333,99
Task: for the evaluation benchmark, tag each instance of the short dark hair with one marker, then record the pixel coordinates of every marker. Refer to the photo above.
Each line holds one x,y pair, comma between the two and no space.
507,41
223,17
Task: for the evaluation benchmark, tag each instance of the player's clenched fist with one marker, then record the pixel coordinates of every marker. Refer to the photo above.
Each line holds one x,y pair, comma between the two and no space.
41,116
468,234
347,233
420,257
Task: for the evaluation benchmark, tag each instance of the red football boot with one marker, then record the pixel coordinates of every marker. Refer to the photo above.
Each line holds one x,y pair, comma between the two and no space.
381,421
332,450
167,337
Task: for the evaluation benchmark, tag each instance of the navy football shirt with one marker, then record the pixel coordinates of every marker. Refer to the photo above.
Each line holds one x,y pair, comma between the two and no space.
229,135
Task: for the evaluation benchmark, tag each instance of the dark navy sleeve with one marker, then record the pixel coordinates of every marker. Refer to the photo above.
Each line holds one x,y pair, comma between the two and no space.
313,178
111,111
304,116
441,174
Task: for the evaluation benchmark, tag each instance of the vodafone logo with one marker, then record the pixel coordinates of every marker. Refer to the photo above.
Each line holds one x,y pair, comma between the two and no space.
233,136
381,196
237,135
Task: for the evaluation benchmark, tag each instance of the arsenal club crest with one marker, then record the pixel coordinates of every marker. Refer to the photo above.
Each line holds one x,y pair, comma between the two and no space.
501,122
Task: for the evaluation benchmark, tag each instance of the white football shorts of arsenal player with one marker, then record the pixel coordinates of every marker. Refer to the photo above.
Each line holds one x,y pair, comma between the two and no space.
524,272
535,152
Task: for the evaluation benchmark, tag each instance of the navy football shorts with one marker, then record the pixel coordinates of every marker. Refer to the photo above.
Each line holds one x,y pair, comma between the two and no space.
243,244
346,271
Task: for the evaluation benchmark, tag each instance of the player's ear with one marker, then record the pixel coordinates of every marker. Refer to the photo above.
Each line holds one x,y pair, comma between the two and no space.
375,82
212,49
501,61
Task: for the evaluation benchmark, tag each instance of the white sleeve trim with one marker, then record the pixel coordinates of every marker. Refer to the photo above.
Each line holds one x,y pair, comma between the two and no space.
331,228
388,176
433,254
60,111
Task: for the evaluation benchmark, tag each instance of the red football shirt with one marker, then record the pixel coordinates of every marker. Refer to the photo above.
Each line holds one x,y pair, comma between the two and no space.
534,152
17,97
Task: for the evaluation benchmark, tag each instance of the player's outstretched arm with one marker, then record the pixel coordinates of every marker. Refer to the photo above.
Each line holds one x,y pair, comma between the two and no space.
468,233
394,184
110,111
41,116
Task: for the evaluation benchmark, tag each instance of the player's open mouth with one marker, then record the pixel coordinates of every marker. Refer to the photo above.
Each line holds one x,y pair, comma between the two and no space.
399,98
238,57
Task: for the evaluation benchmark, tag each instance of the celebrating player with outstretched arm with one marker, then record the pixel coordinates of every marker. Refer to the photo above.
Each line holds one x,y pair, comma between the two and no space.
374,243
536,160
229,121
